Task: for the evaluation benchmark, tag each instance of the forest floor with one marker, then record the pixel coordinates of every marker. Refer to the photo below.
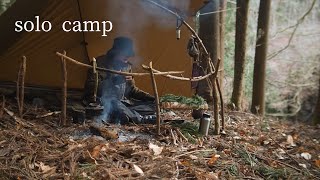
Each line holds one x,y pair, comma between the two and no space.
37,147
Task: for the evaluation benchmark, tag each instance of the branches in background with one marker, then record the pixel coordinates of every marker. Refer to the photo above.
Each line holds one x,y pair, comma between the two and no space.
296,26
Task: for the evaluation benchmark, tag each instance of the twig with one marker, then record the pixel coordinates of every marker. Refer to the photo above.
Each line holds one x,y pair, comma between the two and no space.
195,151
18,120
174,139
64,90
113,71
180,134
156,95
194,79
177,169
48,114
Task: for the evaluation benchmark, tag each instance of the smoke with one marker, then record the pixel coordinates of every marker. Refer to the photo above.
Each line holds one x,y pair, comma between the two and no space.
132,17
107,109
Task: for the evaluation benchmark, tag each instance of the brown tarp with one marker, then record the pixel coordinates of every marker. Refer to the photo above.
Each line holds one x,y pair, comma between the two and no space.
152,30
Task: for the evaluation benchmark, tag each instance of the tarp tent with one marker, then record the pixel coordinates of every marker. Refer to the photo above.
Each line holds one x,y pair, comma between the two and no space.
152,29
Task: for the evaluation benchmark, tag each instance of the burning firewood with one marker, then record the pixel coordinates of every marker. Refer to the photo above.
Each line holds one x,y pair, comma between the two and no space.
103,132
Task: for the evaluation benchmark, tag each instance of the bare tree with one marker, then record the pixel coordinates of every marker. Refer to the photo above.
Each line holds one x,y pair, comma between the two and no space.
259,76
240,51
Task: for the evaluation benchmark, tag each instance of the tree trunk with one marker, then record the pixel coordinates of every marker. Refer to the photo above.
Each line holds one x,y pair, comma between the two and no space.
223,7
258,93
240,52
316,113
209,33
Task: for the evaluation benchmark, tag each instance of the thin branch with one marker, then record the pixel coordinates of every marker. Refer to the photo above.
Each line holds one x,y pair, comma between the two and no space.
156,95
299,22
194,79
113,71
215,12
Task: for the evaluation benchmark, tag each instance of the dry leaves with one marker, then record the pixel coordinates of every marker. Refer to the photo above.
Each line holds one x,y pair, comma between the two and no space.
306,155
156,149
317,163
138,169
290,141
212,161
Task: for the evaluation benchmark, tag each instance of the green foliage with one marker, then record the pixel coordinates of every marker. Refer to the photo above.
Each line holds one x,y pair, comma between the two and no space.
5,4
272,173
193,101
189,129
233,170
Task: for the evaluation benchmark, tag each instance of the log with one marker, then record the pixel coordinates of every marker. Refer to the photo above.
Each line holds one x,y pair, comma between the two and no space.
64,90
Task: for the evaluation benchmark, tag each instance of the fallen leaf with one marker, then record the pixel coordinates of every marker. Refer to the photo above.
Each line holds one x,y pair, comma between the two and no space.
84,174
317,162
193,157
236,137
306,156
138,170
227,151
303,165
96,151
46,170
266,142
290,141
213,159
156,149
185,163
281,151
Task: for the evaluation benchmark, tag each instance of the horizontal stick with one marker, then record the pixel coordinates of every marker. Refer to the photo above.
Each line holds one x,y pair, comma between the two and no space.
194,79
113,71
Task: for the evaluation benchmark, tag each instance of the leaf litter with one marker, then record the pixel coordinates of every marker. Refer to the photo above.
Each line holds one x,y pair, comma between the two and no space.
33,148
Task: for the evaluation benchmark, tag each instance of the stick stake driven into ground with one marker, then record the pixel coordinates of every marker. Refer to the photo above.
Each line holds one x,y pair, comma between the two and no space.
64,90
156,95
20,85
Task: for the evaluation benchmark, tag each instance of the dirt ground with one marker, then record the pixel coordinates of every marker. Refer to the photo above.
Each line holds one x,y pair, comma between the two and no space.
38,147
